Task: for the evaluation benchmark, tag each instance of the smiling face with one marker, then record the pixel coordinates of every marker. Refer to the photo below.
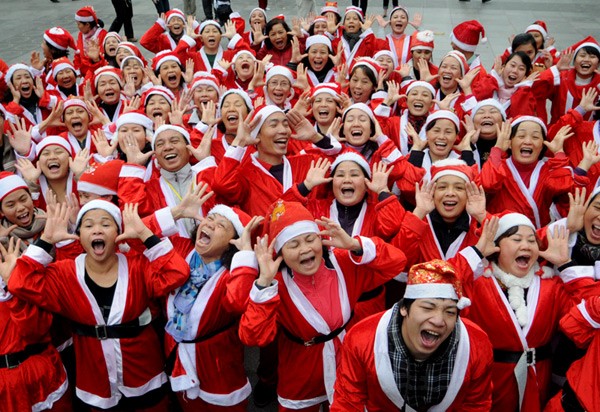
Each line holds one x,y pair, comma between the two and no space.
23,82
278,36
398,22
54,162
419,54
387,63
427,324
357,127
324,108
449,72
211,37
134,69
320,27
122,52
230,112
527,143
361,86
17,208
66,78
318,55
591,222
441,137
258,17
539,39
97,234
450,197
244,66
349,186
170,74
585,64
137,131
518,252
274,136
171,151
109,89
157,105
176,25
77,120
303,254
352,23
514,71
419,101
212,239
279,89
203,94
486,119
110,46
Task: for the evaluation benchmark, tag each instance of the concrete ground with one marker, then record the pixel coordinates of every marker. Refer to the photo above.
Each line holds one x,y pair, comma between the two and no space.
22,23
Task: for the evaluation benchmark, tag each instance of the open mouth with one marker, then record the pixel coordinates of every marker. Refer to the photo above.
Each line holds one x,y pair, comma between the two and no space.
281,143
526,152
53,166
232,118
98,246
77,126
440,145
171,156
24,219
172,78
204,237
447,77
585,66
357,133
109,95
418,105
347,191
487,123
245,66
25,89
308,261
157,112
449,204
523,261
429,338
596,231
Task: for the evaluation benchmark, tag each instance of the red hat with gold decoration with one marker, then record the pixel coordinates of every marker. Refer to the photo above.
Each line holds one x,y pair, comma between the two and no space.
286,220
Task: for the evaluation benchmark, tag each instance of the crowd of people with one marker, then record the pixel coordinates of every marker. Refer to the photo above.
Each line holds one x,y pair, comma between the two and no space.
394,231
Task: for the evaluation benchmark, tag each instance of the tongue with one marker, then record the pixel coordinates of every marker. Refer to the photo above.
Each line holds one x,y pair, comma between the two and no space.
428,339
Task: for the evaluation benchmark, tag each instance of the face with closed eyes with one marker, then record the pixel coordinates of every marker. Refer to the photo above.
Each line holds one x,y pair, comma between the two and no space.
231,107
485,120
349,186
518,252
54,162
212,239
17,208
303,254
357,127
441,138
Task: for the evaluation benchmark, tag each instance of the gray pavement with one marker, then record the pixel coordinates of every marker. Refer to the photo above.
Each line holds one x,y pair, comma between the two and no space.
22,23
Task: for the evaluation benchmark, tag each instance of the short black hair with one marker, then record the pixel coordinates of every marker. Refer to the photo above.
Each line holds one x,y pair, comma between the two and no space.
272,23
513,132
227,256
406,303
432,124
522,39
56,52
590,50
524,58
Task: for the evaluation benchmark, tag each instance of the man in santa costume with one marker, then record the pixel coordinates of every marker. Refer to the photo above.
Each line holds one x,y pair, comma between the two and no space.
418,355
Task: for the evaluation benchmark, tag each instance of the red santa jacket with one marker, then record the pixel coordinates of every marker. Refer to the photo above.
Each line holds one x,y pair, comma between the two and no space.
186,49
80,60
523,101
366,380
157,38
365,47
111,368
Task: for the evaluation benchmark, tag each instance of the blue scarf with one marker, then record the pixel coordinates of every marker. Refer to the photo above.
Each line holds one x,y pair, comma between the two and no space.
200,272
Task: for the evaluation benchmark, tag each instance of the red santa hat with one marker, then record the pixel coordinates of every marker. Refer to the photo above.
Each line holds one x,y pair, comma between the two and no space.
397,9
436,279
367,63
238,218
509,220
286,220
264,13
539,26
333,89
101,179
206,79
451,167
466,35
18,66
240,93
489,102
206,23
96,204
352,157
521,119
264,112
107,71
319,18
163,57
61,64
331,7
74,101
382,53
241,52
53,141
10,182
159,90
462,60
86,14
111,34
422,40
135,118
589,41
59,38
318,39
442,114
174,13
166,127
420,83
279,70
355,9
127,58
135,51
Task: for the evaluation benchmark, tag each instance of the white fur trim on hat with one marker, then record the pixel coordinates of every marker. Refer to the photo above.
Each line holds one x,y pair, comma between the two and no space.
135,118
205,81
238,54
161,91
489,102
18,66
462,60
534,119
265,112
209,23
431,290
449,163
360,106
383,53
52,141
108,207
511,220
586,44
421,83
298,228
399,8
537,27
352,157
240,93
442,114
83,186
264,13
106,72
176,13
318,39
62,66
229,214
131,58
167,58
355,9
279,70
11,183
166,127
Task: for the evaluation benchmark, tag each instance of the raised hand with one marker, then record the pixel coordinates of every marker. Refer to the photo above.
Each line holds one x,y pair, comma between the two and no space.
486,244
103,147
465,82
476,201
39,88
317,173
72,207
589,99
380,174
577,207
191,204
230,30
79,164
15,93
134,228
9,258
257,34
268,267
557,144
36,61
465,142
564,62
224,63
189,28
304,130
157,81
244,242
590,155
331,24
92,50
20,136
132,150
302,105
243,137
424,199
334,129
129,88
418,143
57,222
98,115
203,150
503,136
338,238
558,246
301,78
425,72
498,65
188,74
369,20
445,104
132,105
416,21
393,93
209,113
30,173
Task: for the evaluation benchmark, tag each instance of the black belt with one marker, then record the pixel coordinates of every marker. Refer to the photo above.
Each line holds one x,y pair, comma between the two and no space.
319,338
533,355
101,332
569,400
370,294
13,360
170,362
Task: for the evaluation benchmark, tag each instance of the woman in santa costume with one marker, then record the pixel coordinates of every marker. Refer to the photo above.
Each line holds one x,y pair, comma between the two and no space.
133,68
108,84
325,105
168,70
487,116
317,62
165,33
106,296
205,88
55,46
304,297
279,89
91,36
454,84
420,354
421,52
365,73
397,41
65,79
278,42
357,37
257,20
525,181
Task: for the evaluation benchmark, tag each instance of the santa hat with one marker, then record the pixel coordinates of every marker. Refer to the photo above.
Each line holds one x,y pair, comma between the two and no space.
107,71
355,9
422,40
101,179
264,13
521,119
53,141
381,53
241,52
436,279
111,34
240,93
466,35
317,19
209,23
238,218
206,79
134,118
174,13
264,112
10,182
451,167
159,90
489,102
360,106
399,8
442,114
539,26
462,60
589,41
286,220
74,101
331,7
279,70
61,64
420,83
508,220
318,39
135,51
166,127
86,14
59,38
96,204
18,66
352,157
127,58
333,89
367,63
163,57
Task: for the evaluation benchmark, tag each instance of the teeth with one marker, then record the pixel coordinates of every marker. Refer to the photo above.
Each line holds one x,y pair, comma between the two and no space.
170,156
595,227
432,333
